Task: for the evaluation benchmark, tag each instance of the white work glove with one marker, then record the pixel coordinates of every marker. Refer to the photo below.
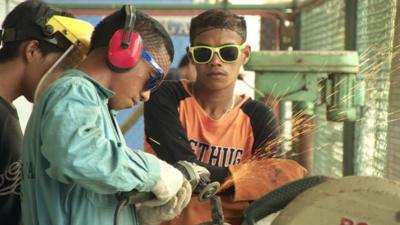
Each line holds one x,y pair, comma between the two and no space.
155,215
170,182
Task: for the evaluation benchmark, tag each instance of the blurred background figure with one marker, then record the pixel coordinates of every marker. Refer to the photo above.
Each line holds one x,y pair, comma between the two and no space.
185,70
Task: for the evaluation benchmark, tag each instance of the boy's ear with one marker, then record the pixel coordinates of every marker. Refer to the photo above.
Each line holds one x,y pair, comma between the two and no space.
246,54
30,49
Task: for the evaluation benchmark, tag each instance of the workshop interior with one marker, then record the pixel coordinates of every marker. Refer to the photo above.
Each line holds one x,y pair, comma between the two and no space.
329,69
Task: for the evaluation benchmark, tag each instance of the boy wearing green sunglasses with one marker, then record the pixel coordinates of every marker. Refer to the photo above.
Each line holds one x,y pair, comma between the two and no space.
206,123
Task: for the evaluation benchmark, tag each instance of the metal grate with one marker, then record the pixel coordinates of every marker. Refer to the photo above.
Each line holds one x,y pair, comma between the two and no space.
322,28
375,32
393,136
377,133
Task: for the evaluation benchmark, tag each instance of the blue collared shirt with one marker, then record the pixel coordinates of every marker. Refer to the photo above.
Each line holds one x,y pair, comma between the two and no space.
75,158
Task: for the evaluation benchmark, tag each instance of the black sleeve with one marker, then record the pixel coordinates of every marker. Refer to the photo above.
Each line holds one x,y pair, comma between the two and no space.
10,153
264,124
164,131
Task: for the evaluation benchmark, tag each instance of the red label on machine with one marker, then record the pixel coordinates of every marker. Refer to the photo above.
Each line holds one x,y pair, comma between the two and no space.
347,221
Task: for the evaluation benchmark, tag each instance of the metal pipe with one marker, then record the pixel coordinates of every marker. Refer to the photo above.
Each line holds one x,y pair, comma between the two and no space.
175,9
267,10
306,143
349,127
178,12
114,6
279,20
307,5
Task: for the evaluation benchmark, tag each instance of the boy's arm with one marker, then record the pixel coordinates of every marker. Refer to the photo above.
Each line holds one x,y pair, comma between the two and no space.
264,125
78,150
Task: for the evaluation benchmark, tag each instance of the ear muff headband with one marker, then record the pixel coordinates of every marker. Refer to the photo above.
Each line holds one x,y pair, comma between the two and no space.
125,46
130,19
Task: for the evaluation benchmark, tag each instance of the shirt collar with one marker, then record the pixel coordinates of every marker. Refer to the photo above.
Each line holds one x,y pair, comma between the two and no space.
104,92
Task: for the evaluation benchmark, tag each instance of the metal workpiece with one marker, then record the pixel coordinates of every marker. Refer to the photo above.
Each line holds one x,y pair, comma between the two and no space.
216,212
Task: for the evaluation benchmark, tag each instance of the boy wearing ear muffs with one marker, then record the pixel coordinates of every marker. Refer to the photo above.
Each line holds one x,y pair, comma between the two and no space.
206,123
31,42
75,158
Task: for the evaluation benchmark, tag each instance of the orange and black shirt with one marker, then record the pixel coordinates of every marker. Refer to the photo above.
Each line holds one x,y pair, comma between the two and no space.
177,128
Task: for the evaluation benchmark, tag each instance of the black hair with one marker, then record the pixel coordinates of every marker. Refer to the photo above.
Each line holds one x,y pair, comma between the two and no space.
24,19
152,32
217,18
184,61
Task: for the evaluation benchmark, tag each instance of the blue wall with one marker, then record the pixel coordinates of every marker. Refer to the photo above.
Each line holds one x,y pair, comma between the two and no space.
134,137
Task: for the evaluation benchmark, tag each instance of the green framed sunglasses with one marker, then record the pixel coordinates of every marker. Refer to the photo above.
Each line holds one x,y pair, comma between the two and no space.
202,54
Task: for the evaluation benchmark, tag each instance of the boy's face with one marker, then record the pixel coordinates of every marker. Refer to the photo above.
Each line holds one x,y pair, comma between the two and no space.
217,73
133,86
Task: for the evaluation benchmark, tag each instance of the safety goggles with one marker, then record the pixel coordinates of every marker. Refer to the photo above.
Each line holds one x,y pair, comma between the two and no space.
202,54
154,81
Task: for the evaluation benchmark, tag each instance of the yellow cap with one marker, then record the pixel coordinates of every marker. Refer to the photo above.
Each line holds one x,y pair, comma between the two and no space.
77,31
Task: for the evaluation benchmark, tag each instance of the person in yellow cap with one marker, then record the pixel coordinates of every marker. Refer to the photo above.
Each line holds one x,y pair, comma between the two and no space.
30,45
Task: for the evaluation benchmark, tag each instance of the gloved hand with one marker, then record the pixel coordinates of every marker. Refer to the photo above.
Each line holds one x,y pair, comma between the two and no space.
196,174
157,214
170,182
200,171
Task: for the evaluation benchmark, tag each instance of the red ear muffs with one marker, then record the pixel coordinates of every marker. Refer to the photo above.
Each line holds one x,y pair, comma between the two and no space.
125,46
123,56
